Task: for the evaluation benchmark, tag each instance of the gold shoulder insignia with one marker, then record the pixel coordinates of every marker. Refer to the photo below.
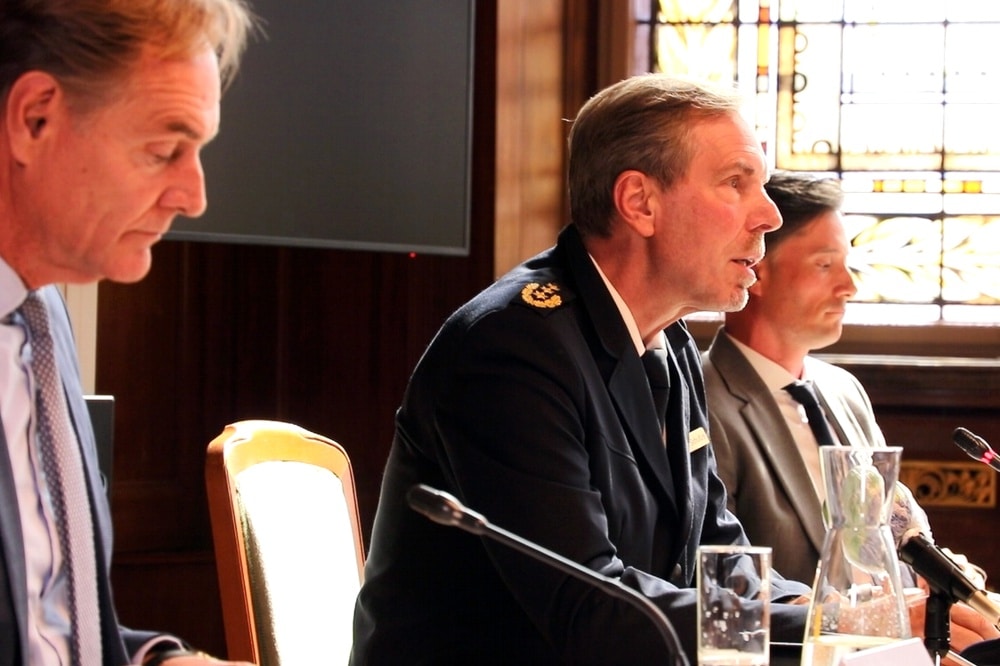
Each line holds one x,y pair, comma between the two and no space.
541,296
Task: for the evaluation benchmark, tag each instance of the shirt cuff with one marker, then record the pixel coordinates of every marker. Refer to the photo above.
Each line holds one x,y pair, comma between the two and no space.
160,643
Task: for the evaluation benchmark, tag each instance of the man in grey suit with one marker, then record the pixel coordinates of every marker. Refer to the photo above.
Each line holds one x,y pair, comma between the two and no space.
768,456
766,450
106,106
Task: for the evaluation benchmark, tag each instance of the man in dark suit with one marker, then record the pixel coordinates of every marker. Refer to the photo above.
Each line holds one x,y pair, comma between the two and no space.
532,406
106,106
767,453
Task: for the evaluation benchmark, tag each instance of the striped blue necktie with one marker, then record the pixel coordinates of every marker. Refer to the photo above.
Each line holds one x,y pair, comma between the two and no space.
67,486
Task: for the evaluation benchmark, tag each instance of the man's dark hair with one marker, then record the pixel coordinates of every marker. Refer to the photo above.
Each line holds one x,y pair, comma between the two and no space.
800,198
640,123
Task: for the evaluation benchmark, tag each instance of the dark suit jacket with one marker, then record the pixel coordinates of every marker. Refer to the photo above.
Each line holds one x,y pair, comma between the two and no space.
13,588
532,407
768,484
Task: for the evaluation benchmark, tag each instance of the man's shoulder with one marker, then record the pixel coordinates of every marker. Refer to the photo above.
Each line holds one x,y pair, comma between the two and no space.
822,370
542,291
835,382
722,358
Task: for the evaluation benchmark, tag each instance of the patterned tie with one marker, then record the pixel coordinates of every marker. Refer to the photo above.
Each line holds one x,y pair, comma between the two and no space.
655,363
804,393
64,476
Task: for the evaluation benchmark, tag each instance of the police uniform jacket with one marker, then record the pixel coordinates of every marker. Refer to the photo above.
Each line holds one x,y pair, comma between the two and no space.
531,407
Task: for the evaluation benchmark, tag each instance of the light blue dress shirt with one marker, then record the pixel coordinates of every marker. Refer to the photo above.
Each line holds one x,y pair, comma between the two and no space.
48,601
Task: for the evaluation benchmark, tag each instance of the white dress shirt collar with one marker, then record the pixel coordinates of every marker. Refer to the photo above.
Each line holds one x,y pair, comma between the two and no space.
12,289
659,342
774,376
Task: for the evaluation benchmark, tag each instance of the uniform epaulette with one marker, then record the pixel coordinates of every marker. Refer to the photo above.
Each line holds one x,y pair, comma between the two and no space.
542,296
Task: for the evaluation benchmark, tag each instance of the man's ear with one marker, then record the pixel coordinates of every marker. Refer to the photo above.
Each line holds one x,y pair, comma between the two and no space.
32,102
633,192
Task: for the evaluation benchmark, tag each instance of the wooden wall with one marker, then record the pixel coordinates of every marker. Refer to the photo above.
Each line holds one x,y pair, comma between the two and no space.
327,338
323,338
218,333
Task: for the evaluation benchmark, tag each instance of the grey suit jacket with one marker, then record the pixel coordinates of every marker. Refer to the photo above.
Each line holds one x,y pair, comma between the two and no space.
767,482
118,642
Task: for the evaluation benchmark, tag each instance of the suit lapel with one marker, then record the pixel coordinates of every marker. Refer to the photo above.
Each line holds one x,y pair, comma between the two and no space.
11,552
627,387
678,433
625,376
762,415
845,423
781,452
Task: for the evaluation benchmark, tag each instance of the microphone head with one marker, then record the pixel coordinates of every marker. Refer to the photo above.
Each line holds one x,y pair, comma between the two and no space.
444,508
974,445
437,505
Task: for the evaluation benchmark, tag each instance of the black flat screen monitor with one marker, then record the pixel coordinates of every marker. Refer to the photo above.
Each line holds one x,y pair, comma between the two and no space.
102,416
348,126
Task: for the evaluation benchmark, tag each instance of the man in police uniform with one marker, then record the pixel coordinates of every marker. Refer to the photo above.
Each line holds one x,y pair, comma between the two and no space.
532,406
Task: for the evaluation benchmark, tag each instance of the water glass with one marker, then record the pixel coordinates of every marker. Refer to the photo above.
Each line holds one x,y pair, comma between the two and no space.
734,605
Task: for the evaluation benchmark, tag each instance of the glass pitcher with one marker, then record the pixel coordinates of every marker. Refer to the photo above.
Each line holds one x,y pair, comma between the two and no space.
857,599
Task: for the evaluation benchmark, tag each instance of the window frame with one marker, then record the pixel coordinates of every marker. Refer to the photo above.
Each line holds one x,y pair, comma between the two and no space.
620,54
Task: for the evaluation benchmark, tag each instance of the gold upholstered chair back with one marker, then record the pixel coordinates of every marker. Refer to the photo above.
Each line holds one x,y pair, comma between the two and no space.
288,544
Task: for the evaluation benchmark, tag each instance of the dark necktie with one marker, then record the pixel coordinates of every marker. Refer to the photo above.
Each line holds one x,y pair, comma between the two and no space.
655,363
64,478
804,393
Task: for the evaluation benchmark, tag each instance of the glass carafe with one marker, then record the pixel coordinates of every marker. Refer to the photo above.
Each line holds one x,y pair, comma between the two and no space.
857,599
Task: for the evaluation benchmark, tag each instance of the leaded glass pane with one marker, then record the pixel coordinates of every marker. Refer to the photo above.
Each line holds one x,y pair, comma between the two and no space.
696,11
704,50
895,259
900,98
891,11
971,260
809,89
972,10
973,314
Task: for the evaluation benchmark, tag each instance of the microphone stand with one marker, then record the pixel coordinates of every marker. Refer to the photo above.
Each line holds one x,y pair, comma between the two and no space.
937,625
609,585
421,498
937,629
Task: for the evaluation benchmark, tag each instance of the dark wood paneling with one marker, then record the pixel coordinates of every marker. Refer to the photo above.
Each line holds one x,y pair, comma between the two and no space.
327,339
172,593
218,333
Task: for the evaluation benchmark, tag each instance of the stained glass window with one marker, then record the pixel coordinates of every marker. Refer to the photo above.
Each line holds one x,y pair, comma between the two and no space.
900,99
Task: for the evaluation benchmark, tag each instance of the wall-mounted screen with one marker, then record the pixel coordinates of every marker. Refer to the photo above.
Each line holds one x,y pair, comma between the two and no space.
349,126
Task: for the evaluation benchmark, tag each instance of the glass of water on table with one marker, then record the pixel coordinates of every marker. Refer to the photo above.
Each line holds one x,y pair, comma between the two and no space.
734,605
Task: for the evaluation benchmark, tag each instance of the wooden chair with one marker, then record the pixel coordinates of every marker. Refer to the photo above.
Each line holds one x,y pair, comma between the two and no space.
288,543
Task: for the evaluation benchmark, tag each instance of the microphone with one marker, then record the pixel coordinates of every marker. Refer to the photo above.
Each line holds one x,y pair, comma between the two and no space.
945,576
976,447
445,509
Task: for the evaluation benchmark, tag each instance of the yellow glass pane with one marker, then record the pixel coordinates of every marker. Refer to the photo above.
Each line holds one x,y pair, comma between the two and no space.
897,97
697,11
697,50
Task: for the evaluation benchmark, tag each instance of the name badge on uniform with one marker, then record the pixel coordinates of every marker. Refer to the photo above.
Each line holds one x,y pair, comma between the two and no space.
697,439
